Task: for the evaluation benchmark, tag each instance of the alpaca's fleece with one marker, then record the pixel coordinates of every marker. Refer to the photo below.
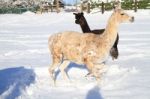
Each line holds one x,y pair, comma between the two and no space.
78,47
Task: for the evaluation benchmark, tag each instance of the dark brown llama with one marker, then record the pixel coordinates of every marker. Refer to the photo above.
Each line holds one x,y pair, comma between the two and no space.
80,19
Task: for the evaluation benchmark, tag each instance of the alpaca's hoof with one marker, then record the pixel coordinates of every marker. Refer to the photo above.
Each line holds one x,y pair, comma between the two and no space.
89,75
51,72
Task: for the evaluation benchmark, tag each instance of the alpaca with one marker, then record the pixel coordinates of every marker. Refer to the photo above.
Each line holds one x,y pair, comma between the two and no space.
85,48
80,19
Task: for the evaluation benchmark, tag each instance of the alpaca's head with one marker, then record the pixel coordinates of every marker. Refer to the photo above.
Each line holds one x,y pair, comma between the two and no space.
120,16
79,18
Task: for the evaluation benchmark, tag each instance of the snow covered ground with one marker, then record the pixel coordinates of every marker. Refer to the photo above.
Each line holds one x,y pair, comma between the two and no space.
25,59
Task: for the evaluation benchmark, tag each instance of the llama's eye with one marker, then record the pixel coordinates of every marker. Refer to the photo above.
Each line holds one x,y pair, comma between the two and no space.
122,14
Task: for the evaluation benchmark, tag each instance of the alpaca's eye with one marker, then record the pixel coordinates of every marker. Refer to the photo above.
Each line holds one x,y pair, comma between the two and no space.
122,14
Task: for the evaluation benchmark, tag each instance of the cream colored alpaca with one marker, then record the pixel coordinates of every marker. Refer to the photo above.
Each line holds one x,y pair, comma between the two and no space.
89,49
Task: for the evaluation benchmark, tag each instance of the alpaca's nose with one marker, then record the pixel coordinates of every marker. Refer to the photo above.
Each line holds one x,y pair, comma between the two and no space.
132,19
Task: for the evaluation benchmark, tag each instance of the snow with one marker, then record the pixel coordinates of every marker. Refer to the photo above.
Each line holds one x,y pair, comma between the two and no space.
25,59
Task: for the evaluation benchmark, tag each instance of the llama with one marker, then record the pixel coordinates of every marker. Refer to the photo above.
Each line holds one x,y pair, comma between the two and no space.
80,19
85,48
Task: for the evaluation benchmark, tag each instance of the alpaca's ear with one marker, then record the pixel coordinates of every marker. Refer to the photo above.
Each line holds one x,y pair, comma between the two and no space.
117,6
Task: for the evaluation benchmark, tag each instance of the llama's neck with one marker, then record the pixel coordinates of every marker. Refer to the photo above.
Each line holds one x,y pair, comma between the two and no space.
110,33
85,27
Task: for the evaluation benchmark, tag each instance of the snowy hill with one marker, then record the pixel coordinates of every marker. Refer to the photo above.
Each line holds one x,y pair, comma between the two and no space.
25,59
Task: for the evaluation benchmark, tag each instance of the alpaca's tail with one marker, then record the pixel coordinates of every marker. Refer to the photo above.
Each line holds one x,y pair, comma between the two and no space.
53,39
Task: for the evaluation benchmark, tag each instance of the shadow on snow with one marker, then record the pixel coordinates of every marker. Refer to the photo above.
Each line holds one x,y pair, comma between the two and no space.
94,93
69,67
14,80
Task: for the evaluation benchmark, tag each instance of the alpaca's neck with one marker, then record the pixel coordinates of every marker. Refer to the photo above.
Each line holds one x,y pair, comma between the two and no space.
110,33
85,27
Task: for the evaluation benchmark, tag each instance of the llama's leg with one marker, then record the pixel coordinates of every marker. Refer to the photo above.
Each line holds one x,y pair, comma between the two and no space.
62,68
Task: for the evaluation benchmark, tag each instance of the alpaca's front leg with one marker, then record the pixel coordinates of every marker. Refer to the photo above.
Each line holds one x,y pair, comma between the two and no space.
94,71
98,70
90,66
52,69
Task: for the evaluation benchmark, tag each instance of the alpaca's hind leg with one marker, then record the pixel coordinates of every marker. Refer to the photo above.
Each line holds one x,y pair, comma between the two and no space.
62,68
55,64
52,69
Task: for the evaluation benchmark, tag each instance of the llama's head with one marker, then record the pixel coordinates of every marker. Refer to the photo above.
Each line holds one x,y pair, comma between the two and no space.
79,18
120,16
